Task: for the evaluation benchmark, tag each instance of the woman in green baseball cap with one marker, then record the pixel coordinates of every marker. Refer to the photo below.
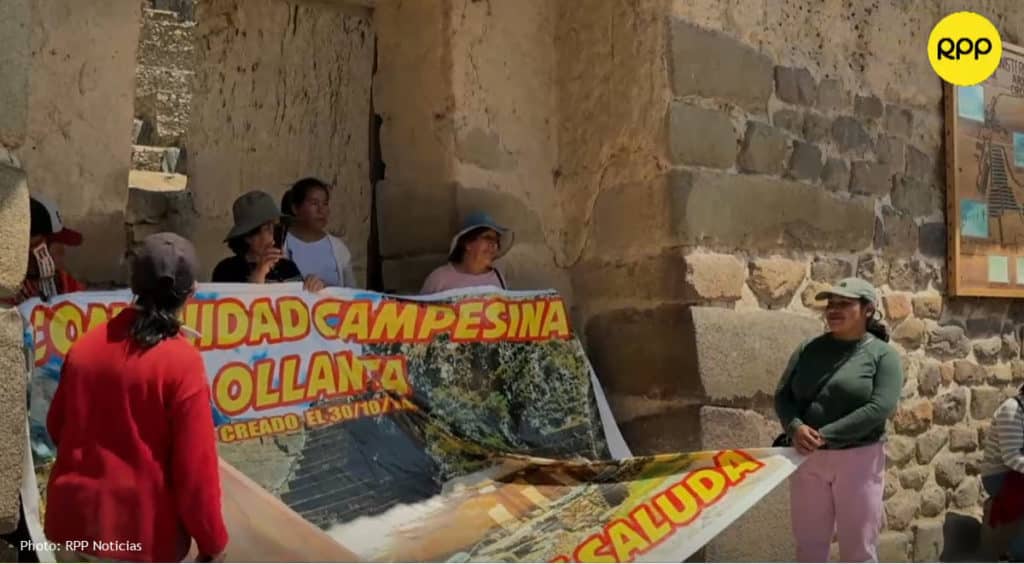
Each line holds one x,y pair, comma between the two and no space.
833,401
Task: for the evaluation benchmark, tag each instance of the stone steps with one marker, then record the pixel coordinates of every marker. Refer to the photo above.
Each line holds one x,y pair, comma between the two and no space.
156,159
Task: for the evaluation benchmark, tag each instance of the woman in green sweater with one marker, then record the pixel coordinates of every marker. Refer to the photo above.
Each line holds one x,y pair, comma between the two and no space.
833,401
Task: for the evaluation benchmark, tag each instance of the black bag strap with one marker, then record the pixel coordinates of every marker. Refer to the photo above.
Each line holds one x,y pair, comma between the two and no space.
501,279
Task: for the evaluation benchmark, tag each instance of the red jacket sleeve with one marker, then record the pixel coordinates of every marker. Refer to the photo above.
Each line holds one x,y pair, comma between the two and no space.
55,415
194,463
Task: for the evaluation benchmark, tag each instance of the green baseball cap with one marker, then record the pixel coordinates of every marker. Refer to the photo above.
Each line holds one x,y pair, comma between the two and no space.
853,288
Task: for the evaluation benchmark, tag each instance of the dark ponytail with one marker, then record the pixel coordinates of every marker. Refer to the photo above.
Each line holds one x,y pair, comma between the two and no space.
875,325
158,315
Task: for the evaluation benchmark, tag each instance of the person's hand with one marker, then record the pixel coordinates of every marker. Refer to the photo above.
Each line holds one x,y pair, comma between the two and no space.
211,557
313,284
807,440
267,261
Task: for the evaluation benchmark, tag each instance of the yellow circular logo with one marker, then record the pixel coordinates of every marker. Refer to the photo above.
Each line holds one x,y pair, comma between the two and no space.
964,48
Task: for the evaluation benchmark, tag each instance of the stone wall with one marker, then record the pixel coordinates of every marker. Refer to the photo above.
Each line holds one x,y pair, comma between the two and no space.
78,120
792,159
281,91
479,134
15,65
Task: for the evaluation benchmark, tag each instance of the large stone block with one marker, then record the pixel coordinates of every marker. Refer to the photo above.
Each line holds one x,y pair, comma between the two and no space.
868,107
14,228
631,219
951,408
899,233
870,179
790,120
716,354
775,280
15,65
12,417
747,539
165,210
795,86
898,121
830,269
928,541
922,167
901,509
835,175
741,355
532,266
805,163
917,198
506,209
892,152
929,444
763,214
657,277
406,275
849,134
831,95
414,218
893,546
737,73
933,239
949,342
912,418
702,137
672,430
644,352
816,127
764,149
712,277
984,401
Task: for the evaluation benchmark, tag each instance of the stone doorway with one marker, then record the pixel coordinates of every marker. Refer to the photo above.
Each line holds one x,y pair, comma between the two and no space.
232,96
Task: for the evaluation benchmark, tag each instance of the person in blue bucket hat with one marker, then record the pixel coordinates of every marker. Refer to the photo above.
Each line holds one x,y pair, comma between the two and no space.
479,242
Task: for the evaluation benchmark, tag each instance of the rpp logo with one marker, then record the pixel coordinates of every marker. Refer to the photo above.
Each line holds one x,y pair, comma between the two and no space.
965,48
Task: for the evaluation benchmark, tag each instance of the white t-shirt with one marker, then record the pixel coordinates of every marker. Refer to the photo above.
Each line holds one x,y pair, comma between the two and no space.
315,258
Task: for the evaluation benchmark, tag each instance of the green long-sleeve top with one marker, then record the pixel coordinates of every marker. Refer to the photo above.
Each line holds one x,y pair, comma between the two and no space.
864,382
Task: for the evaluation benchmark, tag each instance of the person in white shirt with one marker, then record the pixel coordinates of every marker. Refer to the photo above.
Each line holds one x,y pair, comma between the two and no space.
308,244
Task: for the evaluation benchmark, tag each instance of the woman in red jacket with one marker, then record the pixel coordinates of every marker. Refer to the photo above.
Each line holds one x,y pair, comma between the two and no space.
136,471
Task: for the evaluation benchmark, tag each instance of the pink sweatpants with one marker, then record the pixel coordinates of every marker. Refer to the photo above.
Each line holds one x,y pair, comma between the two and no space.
838,491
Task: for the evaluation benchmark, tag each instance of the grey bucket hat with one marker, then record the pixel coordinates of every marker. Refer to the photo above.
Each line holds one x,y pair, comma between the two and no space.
476,220
252,210
853,288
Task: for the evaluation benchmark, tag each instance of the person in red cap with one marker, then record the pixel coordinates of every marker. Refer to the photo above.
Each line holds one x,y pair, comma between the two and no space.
46,276
136,473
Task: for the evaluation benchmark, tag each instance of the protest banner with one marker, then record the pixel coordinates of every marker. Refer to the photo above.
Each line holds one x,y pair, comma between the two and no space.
455,427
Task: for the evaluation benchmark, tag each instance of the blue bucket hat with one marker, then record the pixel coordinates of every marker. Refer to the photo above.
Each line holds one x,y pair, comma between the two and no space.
478,219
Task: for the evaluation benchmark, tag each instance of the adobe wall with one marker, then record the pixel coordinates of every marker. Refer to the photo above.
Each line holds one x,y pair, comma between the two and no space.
78,120
281,91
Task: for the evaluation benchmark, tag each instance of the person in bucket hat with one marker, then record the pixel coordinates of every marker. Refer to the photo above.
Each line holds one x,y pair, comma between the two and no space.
471,255
48,236
256,241
133,428
833,402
